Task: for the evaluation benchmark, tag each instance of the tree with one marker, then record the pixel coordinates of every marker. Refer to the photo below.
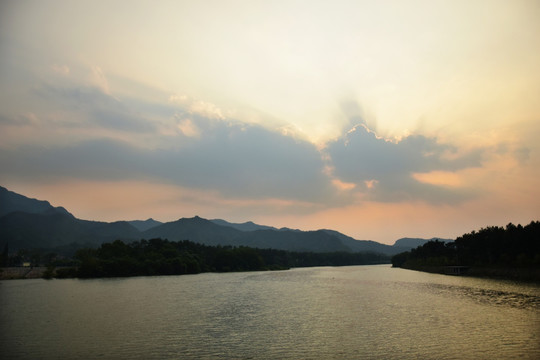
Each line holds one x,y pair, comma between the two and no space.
4,259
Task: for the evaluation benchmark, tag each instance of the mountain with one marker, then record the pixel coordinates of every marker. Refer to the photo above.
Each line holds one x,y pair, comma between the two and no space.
221,232
294,240
247,226
29,223
208,232
350,244
49,230
364,245
143,225
107,232
195,229
26,230
250,226
10,202
411,243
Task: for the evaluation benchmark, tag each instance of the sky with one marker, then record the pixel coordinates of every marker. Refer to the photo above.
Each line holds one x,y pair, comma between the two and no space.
378,119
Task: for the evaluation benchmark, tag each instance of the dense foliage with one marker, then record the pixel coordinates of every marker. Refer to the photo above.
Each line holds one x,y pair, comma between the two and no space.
510,247
163,257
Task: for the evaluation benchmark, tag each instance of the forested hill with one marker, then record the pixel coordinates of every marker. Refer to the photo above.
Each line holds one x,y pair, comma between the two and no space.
514,249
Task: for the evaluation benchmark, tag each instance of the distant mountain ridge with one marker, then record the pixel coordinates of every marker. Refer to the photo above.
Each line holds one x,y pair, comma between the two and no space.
209,233
11,202
364,245
195,229
412,243
247,226
26,231
143,225
29,223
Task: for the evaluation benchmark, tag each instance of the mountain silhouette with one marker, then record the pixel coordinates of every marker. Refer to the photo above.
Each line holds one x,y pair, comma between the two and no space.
143,225
411,243
35,224
11,201
366,245
195,229
246,226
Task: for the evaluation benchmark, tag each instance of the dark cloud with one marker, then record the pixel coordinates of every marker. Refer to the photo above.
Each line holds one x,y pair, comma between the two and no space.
361,156
95,107
235,159
261,160
15,121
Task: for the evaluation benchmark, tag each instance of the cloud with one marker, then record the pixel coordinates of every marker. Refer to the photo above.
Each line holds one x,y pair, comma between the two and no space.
97,78
387,170
28,119
61,69
198,107
184,142
206,109
188,128
204,151
93,107
522,154
234,159
195,144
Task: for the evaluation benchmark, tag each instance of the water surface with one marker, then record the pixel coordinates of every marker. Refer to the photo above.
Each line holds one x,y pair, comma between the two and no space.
359,312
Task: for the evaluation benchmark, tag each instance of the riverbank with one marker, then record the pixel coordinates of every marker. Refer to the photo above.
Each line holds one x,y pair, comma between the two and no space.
20,272
518,274
36,272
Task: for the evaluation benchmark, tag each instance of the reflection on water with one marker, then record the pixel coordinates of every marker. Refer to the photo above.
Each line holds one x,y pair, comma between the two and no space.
368,312
487,296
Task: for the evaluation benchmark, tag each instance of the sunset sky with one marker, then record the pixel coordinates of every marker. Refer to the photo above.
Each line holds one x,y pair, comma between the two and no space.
379,119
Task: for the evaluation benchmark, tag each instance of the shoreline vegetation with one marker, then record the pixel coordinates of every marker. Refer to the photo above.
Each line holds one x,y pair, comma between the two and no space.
506,253
164,257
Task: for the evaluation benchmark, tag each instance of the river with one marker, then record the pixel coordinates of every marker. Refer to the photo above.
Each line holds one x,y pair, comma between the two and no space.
356,312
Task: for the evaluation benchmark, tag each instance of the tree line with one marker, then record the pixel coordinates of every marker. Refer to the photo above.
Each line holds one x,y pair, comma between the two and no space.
163,257
491,247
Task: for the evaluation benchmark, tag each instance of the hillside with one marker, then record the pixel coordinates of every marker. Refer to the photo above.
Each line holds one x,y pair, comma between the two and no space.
12,202
246,226
143,225
35,224
195,229
365,245
511,252
411,243
50,230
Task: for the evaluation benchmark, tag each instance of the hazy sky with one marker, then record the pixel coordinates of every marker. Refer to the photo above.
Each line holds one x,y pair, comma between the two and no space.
379,119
